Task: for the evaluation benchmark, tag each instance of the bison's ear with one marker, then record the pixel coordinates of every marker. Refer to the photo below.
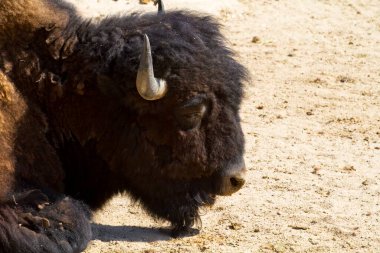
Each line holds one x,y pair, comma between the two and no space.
108,87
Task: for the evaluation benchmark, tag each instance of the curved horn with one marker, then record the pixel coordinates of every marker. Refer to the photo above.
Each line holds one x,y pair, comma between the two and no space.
149,87
161,7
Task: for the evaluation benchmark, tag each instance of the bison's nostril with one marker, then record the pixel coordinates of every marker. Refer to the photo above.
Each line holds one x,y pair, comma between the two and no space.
237,182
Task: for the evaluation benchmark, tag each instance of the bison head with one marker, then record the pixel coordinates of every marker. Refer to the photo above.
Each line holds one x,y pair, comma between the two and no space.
172,138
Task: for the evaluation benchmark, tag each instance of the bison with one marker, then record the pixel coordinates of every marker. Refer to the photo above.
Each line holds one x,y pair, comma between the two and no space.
145,104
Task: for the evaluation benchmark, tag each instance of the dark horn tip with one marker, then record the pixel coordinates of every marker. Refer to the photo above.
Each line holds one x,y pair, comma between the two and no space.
161,7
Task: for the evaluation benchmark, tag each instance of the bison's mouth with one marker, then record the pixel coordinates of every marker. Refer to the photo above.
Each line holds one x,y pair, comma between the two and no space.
204,199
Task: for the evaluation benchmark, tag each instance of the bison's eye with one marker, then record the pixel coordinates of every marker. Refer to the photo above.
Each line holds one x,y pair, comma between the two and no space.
190,114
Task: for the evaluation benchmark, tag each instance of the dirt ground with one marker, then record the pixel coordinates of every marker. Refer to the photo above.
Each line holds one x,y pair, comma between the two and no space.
311,117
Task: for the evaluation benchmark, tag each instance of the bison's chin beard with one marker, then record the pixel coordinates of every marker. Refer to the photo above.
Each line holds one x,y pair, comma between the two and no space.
188,215
179,204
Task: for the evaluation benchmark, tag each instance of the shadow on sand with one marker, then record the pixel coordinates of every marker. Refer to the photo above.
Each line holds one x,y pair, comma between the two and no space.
108,233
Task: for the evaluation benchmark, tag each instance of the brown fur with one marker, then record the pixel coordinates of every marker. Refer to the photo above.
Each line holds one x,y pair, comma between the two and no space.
25,17
27,160
25,127
12,108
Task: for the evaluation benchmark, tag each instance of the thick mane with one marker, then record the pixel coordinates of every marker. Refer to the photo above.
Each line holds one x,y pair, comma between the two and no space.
187,48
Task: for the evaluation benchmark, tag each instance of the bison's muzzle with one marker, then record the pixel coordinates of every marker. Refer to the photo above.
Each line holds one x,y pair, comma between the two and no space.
232,179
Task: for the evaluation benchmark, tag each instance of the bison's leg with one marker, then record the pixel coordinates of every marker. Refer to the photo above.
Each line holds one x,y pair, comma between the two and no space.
30,223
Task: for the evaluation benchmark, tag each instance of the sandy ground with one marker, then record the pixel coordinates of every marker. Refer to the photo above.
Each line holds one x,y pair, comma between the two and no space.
311,118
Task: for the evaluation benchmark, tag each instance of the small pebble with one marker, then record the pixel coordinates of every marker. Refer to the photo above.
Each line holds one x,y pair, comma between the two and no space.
255,39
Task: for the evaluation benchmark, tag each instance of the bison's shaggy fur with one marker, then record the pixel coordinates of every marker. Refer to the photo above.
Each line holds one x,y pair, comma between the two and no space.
72,123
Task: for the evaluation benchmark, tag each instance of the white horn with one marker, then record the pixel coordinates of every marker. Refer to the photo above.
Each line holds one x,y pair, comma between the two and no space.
149,87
